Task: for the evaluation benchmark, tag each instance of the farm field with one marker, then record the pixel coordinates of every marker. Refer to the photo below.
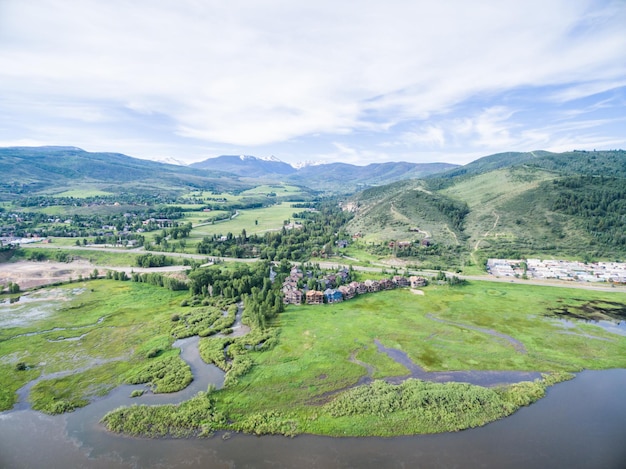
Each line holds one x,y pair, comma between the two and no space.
252,220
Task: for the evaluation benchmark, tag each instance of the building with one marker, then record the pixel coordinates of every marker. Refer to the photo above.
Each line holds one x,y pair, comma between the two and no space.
359,287
400,281
292,297
347,291
417,282
314,297
333,296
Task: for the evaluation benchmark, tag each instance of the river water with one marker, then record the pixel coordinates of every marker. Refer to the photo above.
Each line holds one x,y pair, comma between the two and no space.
579,424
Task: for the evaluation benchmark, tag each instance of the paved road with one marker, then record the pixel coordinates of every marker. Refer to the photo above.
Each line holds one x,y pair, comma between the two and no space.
343,262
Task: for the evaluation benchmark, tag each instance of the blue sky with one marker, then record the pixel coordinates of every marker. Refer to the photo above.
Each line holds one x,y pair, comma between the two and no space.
353,81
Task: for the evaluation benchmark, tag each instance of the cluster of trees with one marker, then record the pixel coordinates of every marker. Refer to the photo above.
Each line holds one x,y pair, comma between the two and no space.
160,280
598,202
153,260
123,198
262,305
317,235
229,282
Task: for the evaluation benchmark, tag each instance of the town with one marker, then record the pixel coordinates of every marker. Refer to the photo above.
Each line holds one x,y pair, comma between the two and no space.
612,272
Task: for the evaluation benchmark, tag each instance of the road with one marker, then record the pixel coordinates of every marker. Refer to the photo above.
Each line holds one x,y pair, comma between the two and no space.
336,265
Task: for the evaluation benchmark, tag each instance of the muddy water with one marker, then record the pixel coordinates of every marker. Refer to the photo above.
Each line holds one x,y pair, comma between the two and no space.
579,424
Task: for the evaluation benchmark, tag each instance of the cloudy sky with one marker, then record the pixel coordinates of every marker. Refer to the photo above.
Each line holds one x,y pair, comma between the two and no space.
354,81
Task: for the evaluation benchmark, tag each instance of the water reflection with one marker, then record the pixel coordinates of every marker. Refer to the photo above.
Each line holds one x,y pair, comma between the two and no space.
580,424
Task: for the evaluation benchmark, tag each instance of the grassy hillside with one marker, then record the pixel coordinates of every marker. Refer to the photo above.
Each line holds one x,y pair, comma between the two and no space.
397,211
532,204
31,170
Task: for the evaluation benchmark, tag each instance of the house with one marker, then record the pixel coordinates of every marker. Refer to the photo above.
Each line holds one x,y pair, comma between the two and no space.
417,281
296,273
314,297
386,284
344,274
426,242
359,287
400,281
372,285
347,291
333,296
341,243
292,297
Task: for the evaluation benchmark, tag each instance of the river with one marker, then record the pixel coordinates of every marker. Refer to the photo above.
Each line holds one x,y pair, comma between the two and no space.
579,424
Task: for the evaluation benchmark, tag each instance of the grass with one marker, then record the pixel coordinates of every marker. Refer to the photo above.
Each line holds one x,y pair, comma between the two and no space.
253,221
83,193
114,325
100,256
306,382
316,345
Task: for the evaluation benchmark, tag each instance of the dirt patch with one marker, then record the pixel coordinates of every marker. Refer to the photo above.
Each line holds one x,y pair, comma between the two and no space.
35,274
417,292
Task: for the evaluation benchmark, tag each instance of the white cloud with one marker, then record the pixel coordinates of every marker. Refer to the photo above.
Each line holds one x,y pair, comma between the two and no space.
249,73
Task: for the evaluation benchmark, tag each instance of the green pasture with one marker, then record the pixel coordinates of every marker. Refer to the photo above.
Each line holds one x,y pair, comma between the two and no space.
83,193
268,189
100,256
252,220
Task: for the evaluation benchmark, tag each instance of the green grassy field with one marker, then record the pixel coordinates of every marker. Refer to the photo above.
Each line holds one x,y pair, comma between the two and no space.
99,256
318,345
296,387
253,221
83,192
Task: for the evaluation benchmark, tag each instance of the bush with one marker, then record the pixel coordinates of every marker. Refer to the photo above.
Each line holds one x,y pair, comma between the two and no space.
21,366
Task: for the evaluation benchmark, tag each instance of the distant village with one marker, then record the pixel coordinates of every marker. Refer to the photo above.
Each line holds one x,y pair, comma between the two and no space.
612,272
337,287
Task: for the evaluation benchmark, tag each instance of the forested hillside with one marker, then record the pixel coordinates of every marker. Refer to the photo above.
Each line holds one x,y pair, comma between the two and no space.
532,204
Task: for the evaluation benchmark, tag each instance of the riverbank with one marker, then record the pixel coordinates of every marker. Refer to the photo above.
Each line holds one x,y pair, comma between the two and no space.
475,331
579,424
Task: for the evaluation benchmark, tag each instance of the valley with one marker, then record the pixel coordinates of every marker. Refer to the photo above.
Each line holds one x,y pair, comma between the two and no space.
131,268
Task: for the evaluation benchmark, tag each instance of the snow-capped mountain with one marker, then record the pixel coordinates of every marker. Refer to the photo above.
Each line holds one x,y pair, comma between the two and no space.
246,165
170,160
304,164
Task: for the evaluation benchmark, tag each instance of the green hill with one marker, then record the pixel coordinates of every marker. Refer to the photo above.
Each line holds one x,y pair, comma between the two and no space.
29,170
507,205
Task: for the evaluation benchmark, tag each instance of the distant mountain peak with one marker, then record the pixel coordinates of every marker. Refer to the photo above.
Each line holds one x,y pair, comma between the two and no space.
272,158
304,164
170,160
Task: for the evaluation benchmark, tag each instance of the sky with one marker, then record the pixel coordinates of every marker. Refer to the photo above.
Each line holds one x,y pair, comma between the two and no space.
302,80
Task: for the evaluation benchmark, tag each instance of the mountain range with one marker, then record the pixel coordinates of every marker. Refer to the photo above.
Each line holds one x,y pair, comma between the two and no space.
328,177
511,204
34,169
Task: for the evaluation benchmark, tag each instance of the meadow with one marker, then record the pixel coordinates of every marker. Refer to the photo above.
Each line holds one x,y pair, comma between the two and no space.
308,383
89,336
84,338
